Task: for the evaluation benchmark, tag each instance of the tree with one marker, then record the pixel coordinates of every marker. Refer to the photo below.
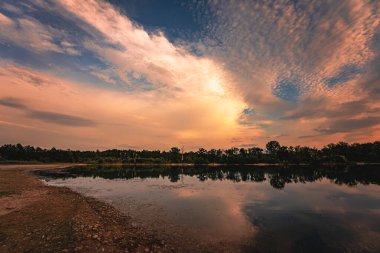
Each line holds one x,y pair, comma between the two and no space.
175,154
273,147
232,151
202,152
242,152
356,152
255,151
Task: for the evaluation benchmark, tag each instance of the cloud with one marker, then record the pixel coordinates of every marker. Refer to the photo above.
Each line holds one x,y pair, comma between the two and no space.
348,125
317,109
248,145
346,73
59,118
5,21
103,76
259,69
165,66
144,119
50,117
28,33
12,103
317,54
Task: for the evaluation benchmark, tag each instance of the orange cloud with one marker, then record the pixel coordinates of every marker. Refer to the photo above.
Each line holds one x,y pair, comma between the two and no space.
145,119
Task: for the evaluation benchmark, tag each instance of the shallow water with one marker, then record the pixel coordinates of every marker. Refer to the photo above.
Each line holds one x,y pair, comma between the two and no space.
243,209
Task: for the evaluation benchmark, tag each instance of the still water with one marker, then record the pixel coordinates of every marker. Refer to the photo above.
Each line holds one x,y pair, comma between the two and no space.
242,209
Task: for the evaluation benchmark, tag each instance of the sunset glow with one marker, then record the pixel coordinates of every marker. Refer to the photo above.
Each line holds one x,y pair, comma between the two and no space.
96,74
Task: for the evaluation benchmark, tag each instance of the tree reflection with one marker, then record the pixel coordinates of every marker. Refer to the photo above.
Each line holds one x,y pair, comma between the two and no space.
278,177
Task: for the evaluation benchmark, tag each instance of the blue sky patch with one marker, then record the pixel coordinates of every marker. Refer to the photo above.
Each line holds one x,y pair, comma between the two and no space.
288,90
177,19
247,116
346,73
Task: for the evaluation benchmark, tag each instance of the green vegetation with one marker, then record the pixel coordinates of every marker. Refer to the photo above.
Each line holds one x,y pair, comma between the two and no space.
275,153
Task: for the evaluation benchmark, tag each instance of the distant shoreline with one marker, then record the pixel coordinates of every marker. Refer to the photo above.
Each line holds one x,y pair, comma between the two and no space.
274,154
26,163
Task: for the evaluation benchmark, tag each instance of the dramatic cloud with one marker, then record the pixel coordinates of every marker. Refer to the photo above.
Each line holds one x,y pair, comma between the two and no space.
97,117
301,65
303,72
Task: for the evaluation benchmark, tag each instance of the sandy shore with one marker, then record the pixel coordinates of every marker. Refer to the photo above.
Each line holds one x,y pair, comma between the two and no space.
35,217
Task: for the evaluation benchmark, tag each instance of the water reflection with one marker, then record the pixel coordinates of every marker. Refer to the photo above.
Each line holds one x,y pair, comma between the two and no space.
278,177
241,209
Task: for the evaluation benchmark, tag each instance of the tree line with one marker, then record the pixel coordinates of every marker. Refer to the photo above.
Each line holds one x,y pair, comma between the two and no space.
340,152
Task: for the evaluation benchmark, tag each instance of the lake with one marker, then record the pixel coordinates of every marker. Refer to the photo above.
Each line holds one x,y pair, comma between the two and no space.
242,208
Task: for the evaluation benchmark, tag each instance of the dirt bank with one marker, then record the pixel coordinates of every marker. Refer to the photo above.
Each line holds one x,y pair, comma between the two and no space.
39,218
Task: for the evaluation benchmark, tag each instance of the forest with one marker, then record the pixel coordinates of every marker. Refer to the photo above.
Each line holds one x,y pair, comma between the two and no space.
274,152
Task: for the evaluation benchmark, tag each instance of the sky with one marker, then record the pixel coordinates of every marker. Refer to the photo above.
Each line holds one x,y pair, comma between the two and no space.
150,74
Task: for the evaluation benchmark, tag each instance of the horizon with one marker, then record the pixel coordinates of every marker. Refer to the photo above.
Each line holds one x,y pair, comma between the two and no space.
98,74
263,148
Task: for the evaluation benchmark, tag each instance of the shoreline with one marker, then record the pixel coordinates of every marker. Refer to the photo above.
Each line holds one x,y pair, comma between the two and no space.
35,217
37,166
